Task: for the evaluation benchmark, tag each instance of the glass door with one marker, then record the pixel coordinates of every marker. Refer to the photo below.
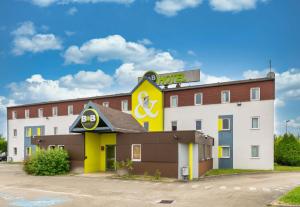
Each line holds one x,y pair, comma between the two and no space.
110,157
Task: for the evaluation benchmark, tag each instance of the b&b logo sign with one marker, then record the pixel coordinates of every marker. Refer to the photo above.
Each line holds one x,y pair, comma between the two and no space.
90,119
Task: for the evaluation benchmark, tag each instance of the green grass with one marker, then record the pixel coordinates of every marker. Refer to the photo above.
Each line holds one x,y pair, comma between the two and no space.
231,171
292,197
277,168
286,168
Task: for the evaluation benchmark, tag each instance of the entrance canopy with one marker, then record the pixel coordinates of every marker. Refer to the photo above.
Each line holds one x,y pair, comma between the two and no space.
97,118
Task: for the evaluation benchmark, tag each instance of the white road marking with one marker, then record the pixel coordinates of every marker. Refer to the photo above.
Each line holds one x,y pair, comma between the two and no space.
266,189
208,187
252,188
237,188
223,187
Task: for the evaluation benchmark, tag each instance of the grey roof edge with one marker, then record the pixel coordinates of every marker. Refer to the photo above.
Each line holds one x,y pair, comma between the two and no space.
90,98
220,84
95,106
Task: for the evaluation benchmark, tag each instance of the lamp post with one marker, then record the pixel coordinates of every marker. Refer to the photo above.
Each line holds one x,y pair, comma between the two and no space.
286,123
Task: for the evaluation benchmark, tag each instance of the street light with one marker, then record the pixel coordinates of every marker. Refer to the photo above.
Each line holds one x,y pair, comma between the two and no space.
286,122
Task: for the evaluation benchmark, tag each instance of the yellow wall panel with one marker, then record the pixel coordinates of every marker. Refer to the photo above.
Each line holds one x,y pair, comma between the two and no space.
96,158
220,123
191,145
154,113
220,152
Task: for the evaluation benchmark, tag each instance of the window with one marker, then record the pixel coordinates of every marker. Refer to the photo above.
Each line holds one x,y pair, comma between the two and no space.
174,101
54,111
146,102
15,151
225,124
15,133
41,112
61,147
124,105
198,124
198,98
28,132
55,130
28,151
255,94
255,122
27,113
106,104
255,151
51,147
70,110
146,125
174,125
225,96
136,152
225,152
14,115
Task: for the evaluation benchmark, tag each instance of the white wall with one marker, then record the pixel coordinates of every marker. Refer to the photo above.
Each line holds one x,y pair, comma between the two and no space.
243,135
62,122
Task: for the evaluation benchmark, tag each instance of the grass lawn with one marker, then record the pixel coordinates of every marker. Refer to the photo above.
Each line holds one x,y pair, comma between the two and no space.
292,197
277,168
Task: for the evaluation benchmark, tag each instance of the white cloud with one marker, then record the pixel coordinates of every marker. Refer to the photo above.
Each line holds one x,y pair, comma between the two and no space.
72,11
26,39
206,78
145,41
45,3
191,52
136,58
234,5
172,7
82,84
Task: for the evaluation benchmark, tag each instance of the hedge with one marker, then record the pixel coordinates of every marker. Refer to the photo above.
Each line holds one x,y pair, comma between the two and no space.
48,162
287,150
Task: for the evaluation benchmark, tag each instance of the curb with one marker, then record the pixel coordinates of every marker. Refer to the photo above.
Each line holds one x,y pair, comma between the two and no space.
277,204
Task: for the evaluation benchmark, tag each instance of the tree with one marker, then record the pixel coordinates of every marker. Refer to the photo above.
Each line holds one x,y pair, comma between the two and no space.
287,150
3,144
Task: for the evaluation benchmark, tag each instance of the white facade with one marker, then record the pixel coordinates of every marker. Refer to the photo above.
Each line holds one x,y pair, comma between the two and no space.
61,122
243,136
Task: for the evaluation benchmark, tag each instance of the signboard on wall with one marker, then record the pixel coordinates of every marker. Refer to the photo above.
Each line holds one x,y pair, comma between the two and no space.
90,119
173,78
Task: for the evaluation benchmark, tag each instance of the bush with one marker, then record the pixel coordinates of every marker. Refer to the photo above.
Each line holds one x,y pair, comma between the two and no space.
48,162
157,174
287,150
3,144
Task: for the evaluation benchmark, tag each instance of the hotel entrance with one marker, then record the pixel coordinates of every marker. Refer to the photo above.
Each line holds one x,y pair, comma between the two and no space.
110,157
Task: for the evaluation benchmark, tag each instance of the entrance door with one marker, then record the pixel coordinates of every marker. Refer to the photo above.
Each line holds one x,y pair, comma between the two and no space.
110,157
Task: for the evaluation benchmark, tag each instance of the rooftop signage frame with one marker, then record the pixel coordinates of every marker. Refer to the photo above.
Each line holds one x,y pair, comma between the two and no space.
185,76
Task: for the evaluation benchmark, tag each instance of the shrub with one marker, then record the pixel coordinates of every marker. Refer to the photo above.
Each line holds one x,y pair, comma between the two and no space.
3,144
287,150
48,162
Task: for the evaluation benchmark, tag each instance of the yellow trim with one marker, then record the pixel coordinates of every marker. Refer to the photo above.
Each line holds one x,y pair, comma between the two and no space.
97,120
220,124
220,152
29,132
191,161
38,131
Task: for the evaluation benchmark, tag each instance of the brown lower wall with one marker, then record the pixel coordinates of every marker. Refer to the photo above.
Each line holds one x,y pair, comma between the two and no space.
74,145
166,169
204,166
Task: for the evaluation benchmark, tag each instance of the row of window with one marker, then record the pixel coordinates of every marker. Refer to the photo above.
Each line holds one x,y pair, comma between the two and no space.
29,149
225,97
225,124
226,151
124,107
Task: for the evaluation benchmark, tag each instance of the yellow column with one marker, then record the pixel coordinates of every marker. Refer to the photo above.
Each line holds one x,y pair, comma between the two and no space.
191,161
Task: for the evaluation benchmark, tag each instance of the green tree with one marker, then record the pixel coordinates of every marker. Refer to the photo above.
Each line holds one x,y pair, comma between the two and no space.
3,144
287,150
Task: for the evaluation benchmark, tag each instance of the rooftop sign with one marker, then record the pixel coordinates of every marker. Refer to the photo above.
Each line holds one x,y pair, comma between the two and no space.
173,78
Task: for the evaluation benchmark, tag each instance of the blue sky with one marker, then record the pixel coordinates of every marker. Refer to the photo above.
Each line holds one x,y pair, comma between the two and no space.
58,49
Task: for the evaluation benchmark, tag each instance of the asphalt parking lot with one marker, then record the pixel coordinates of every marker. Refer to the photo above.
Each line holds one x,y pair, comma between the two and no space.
21,190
